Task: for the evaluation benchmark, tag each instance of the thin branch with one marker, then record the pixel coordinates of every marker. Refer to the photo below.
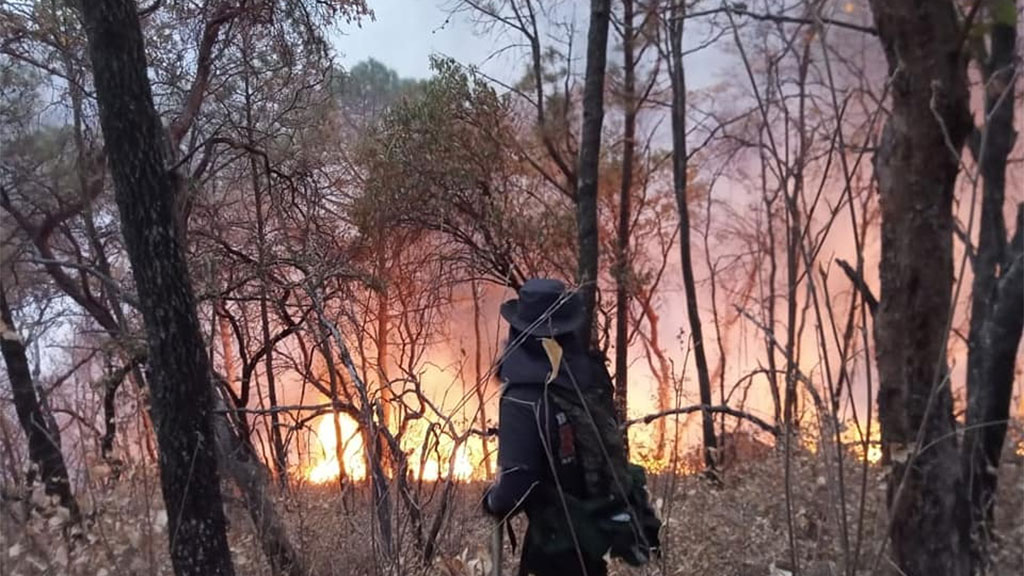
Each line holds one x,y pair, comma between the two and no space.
773,430
778,18
860,285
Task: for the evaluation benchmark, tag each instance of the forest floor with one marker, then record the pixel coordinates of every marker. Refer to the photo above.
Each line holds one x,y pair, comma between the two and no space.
740,528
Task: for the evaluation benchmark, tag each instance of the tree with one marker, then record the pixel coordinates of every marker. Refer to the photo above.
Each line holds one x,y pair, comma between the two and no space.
622,277
997,311
43,439
589,161
146,192
680,171
916,165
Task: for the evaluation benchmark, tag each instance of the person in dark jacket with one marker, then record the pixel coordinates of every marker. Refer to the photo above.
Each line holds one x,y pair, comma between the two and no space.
536,454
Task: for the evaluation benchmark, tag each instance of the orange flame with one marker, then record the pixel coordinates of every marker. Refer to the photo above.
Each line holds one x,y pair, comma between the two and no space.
465,464
326,467
853,436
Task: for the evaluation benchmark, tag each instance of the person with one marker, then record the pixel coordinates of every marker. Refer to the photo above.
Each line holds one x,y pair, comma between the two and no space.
537,463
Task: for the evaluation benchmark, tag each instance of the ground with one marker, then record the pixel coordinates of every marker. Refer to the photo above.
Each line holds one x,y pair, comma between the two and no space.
739,528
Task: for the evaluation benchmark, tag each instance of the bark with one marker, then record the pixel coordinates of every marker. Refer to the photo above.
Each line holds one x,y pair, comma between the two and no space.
622,272
988,410
589,160
680,166
995,328
43,442
145,193
916,166
111,384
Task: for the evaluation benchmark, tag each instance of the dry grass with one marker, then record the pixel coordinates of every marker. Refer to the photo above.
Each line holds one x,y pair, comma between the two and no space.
736,529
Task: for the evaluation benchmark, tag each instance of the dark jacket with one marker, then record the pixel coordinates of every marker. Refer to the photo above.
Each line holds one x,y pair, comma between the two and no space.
536,453
531,450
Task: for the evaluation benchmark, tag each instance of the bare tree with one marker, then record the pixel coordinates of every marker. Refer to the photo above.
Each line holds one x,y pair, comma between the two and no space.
680,165
621,273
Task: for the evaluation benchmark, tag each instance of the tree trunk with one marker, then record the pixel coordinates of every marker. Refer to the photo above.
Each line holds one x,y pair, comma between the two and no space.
990,392
240,462
996,311
589,161
680,165
145,192
43,443
916,166
478,370
622,271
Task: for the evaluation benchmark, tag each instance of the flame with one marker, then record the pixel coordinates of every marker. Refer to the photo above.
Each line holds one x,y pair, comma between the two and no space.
853,436
468,462
326,468
462,468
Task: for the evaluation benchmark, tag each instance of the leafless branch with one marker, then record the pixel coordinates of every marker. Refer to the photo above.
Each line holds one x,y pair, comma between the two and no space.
778,18
860,285
773,430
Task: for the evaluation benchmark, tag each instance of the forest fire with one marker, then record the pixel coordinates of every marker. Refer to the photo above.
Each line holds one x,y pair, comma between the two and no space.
327,467
431,465
438,459
853,437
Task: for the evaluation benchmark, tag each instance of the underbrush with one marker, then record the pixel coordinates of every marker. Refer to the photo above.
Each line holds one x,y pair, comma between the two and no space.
739,526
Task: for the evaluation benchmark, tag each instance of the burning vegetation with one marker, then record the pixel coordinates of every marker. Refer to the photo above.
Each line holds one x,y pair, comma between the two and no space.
249,297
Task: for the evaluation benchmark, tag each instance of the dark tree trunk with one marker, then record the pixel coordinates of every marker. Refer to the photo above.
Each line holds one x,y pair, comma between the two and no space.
680,165
996,311
916,166
622,268
145,191
43,442
589,161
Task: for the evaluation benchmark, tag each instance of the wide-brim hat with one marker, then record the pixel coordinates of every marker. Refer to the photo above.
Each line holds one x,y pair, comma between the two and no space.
544,308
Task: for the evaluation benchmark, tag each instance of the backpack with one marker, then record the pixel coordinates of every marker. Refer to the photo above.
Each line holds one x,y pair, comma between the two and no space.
614,513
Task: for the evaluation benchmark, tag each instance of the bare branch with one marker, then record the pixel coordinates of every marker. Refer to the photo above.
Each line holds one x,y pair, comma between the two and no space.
778,18
773,430
860,285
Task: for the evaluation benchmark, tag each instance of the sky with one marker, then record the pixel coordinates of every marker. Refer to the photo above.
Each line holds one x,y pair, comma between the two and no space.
404,34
